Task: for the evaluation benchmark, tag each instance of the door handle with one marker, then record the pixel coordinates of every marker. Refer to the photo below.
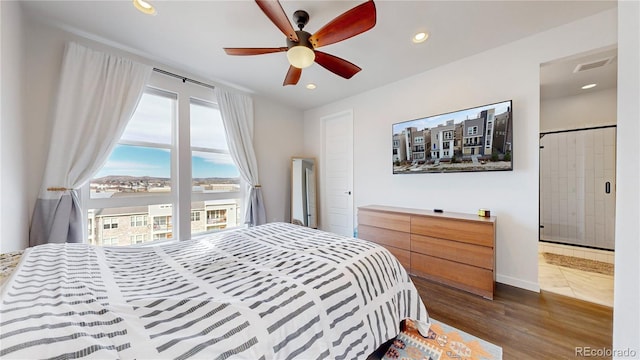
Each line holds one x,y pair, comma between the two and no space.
607,187
348,192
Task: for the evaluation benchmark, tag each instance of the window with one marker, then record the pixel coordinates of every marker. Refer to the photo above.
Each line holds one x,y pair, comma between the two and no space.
162,223
138,239
138,220
213,170
141,161
110,223
110,241
448,135
160,237
141,190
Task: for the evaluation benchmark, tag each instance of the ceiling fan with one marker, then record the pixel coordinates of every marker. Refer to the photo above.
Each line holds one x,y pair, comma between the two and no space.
301,45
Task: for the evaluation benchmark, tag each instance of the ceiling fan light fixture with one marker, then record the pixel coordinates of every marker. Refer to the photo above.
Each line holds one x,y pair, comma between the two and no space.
311,86
144,6
300,56
589,86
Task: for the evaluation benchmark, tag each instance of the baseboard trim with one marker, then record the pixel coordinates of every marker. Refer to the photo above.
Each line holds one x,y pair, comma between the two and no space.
527,285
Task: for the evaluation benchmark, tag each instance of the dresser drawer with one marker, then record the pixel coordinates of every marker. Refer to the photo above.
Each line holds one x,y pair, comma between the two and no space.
388,237
470,278
473,232
403,256
476,255
391,221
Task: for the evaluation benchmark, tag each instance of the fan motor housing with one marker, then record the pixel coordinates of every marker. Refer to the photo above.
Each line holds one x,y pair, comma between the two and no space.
303,40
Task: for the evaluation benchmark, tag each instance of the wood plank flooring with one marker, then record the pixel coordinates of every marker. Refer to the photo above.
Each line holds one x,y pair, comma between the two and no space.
526,324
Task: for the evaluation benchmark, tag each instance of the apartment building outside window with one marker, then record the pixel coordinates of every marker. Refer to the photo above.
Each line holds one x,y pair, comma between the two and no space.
171,163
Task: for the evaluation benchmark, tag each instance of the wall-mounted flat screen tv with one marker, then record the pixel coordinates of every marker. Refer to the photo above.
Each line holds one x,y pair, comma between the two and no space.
475,139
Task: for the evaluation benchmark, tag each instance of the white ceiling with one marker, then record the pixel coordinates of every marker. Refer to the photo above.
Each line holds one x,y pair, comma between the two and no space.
559,79
190,35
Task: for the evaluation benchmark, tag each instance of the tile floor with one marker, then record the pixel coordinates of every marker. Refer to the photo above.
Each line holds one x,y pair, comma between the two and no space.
584,285
568,250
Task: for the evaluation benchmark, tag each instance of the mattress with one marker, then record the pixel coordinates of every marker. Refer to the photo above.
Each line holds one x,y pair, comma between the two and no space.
276,291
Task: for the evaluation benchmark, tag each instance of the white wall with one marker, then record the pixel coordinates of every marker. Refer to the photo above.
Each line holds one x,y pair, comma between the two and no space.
277,137
591,109
626,297
43,48
508,72
13,201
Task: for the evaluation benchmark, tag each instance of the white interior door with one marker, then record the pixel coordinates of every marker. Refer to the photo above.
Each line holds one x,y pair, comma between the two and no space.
338,173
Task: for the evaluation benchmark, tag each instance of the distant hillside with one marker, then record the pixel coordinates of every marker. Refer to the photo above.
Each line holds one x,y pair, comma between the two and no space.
123,179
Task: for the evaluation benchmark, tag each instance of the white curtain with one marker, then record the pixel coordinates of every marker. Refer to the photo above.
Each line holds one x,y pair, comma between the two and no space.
97,96
237,115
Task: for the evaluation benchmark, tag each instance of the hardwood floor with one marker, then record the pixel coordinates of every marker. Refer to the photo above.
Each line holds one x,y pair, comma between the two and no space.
527,325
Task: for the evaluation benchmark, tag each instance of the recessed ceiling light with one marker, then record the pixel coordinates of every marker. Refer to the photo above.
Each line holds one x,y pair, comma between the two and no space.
311,86
589,86
419,37
144,7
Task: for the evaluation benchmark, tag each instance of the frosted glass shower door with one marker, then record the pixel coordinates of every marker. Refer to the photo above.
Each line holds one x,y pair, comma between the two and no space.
577,187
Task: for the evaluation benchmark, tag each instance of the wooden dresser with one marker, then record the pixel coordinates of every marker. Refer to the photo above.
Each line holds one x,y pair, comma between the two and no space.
452,248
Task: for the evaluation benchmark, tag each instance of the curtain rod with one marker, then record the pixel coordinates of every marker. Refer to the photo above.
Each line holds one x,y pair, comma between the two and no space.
183,78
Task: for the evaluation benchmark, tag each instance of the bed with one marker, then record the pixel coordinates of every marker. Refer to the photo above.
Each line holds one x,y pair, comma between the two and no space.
275,291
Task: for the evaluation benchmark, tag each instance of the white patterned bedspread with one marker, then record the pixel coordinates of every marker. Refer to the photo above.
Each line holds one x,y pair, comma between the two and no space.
276,291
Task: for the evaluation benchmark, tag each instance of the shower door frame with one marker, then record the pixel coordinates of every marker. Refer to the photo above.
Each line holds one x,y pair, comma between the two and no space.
540,185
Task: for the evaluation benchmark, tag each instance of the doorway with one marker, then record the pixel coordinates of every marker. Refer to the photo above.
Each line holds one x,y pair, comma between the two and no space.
577,175
338,212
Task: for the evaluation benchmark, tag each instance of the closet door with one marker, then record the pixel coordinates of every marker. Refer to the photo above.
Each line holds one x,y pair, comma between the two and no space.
577,187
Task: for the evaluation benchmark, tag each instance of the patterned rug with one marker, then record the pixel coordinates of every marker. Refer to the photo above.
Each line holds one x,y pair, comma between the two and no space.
579,263
443,342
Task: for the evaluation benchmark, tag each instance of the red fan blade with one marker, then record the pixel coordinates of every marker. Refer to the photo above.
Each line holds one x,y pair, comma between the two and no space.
293,75
253,51
276,14
351,23
336,65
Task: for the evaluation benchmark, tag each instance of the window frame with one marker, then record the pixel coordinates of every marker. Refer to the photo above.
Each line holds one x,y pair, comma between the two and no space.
181,195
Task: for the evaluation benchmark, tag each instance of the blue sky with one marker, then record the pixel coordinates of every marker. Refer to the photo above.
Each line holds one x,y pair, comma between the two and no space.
458,116
143,161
